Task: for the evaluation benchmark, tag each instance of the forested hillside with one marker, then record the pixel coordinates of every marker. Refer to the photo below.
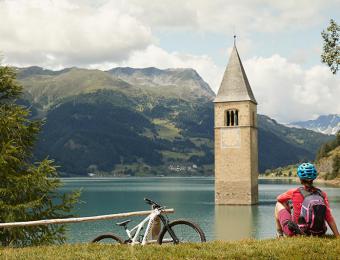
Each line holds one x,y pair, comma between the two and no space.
328,159
141,122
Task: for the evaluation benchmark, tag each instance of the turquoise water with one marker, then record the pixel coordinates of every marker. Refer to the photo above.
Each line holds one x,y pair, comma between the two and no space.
192,198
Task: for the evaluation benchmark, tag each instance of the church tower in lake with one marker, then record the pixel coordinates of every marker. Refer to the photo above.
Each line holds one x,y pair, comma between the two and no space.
236,148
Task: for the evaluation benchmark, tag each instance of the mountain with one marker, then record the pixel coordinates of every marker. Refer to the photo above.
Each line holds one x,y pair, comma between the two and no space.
46,88
307,139
280,145
141,122
169,81
326,124
328,159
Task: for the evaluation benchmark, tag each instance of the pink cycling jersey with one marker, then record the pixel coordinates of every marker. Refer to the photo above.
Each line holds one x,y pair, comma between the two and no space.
296,197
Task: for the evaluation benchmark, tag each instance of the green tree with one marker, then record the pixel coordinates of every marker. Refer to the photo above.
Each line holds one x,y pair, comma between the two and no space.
323,151
331,46
337,138
28,191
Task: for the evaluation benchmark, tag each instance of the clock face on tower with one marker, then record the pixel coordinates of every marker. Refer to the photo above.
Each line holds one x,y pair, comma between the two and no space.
230,138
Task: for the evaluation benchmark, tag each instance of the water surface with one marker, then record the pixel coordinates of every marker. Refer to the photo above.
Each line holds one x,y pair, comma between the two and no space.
192,198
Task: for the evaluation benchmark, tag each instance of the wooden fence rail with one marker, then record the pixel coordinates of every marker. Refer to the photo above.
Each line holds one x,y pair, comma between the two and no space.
80,219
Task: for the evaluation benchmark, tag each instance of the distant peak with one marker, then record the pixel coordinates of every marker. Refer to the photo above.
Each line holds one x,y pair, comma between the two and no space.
327,124
36,70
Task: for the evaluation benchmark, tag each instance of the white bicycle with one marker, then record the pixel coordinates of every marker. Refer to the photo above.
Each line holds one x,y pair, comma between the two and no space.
177,231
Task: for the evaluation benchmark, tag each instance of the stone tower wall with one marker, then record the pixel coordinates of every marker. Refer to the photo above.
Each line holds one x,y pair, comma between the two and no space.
236,155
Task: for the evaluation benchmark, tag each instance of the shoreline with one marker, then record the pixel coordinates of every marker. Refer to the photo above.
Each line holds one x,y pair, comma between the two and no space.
333,183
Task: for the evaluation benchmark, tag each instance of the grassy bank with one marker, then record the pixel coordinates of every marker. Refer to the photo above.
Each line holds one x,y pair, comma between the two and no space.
287,248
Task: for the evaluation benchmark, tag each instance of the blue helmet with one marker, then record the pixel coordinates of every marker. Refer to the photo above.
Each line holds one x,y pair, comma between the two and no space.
307,171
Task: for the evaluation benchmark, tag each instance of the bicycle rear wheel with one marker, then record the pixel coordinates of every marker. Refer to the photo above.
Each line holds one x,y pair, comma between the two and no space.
185,231
108,238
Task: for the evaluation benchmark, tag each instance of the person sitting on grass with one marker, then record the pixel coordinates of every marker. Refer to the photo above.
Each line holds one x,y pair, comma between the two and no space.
310,208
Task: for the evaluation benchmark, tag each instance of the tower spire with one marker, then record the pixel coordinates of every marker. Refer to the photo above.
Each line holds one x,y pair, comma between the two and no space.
234,39
235,85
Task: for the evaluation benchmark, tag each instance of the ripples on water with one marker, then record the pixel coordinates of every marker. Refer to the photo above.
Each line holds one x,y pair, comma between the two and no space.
192,198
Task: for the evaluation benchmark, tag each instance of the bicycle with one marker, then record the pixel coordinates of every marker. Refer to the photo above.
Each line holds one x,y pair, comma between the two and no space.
177,231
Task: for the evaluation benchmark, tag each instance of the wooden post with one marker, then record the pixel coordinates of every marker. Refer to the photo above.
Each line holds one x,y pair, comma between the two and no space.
81,219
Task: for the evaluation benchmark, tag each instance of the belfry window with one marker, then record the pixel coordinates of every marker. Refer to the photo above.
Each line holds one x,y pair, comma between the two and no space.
231,117
228,118
253,118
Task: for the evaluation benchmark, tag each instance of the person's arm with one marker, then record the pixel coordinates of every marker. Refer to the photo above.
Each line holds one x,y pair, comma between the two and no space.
334,228
329,217
285,197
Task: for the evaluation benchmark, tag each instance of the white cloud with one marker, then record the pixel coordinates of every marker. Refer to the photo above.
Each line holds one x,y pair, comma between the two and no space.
284,90
63,33
108,33
154,56
157,57
224,15
287,92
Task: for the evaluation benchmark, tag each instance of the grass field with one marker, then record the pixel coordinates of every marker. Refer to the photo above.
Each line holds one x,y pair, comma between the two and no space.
170,156
166,129
286,248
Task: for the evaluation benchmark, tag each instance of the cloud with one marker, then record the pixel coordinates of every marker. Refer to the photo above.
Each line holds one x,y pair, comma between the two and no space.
108,33
224,15
154,56
288,92
63,33
284,90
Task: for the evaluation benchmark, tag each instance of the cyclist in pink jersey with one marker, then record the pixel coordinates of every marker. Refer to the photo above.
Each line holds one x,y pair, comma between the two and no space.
292,223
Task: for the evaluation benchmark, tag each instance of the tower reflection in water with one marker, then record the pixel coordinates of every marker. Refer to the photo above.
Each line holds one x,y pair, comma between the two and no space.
234,222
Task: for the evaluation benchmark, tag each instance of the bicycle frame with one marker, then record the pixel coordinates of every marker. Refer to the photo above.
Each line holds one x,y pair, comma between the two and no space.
150,219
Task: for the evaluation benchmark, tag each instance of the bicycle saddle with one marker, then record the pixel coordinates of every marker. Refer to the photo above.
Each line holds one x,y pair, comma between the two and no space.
124,223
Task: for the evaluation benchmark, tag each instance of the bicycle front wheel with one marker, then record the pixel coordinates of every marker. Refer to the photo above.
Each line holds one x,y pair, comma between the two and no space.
108,238
184,231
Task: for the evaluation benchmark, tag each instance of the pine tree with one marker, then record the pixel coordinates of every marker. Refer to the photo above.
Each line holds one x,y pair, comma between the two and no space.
324,149
337,138
28,191
336,165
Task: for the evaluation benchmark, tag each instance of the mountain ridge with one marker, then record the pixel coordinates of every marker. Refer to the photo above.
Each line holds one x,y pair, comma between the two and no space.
170,76
326,124
45,87
97,122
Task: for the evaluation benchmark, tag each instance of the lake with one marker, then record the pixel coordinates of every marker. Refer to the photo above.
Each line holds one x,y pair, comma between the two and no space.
192,198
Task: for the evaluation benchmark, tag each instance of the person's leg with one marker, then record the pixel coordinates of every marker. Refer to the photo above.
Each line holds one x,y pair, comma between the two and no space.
282,218
278,207
279,230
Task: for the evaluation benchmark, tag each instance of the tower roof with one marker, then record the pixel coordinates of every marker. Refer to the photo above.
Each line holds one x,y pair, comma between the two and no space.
235,85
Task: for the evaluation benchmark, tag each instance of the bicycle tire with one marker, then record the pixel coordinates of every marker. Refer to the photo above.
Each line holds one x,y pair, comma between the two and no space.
197,234
115,239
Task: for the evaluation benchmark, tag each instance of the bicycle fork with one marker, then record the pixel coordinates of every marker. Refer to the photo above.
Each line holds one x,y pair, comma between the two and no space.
168,228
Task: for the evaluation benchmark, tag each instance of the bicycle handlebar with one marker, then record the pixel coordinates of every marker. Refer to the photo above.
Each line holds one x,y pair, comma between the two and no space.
152,203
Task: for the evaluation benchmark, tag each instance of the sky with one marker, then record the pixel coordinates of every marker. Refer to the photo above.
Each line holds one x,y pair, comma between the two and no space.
279,43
